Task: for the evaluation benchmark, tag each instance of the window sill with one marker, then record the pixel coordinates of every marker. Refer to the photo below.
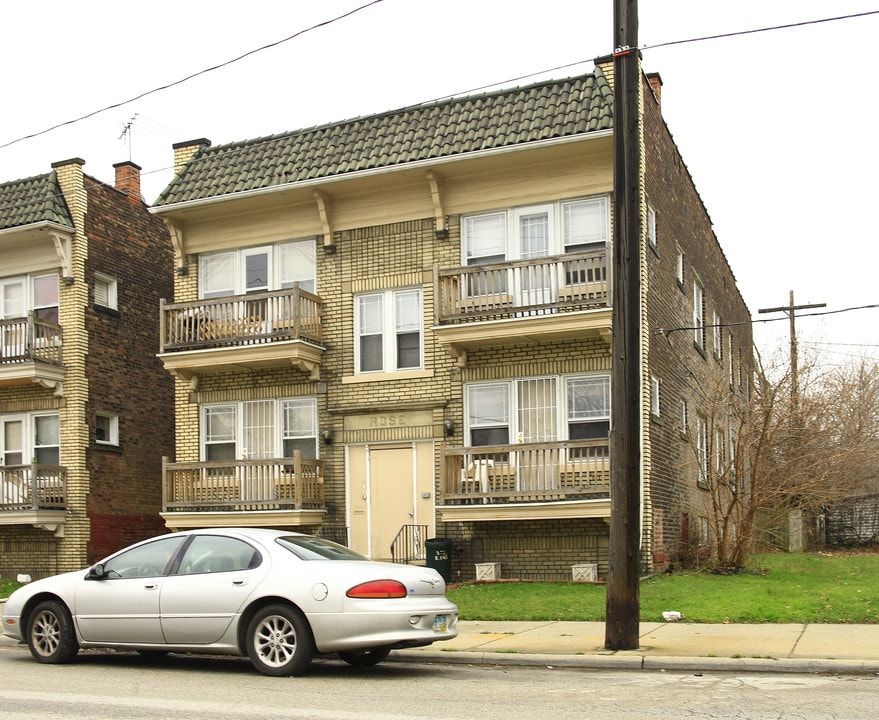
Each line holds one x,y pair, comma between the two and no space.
106,310
387,377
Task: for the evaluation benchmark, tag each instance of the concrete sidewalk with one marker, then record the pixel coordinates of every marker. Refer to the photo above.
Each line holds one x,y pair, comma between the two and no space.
681,646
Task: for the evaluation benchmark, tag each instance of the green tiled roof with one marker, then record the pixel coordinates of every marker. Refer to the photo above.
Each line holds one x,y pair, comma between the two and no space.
543,111
33,200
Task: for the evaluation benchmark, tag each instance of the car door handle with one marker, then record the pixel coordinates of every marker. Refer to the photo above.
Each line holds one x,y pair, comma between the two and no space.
239,582
151,586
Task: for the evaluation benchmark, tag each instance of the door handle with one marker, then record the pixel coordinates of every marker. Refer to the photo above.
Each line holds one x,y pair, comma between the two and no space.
238,582
150,586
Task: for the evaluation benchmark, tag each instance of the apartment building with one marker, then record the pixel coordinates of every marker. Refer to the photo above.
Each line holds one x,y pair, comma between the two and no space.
86,408
398,327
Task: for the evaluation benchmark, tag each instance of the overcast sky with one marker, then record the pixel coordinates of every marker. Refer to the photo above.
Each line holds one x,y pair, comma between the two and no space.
778,128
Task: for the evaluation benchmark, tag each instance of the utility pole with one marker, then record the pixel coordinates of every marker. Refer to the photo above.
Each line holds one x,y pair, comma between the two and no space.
795,515
623,593
791,310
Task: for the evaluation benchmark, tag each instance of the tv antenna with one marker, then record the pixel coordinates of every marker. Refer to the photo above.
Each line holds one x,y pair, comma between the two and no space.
127,133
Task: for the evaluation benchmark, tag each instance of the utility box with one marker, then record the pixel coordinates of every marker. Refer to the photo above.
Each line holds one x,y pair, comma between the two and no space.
488,571
587,572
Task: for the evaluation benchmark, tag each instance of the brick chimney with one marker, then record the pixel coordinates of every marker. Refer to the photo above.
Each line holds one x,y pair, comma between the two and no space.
655,85
184,151
128,178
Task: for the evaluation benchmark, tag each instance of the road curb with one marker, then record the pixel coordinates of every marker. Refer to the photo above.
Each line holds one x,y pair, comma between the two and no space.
642,662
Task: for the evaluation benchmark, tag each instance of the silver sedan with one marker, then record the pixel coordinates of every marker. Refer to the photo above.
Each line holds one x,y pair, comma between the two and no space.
276,597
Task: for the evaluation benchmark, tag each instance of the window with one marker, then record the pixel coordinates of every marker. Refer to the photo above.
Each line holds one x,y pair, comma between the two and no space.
488,414
18,295
215,553
731,355
106,428
105,291
654,395
27,437
588,405
573,226
257,269
45,298
388,326
719,453
702,450
698,316
299,427
149,560
651,226
679,269
704,531
542,409
260,429
684,418
717,335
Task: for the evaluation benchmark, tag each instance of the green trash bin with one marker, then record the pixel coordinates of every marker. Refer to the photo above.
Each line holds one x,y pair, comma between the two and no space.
439,556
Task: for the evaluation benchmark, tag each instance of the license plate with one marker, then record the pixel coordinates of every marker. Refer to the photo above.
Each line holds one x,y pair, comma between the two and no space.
440,624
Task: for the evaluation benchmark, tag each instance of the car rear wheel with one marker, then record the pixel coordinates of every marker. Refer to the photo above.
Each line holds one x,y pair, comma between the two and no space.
279,641
50,634
365,658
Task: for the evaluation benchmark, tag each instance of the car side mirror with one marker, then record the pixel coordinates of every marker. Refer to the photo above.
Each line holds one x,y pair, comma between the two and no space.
96,572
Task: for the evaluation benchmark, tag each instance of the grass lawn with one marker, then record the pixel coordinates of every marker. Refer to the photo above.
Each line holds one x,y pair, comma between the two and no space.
781,588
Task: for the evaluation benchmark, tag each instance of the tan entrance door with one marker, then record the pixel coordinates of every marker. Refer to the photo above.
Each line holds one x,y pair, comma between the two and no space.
389,487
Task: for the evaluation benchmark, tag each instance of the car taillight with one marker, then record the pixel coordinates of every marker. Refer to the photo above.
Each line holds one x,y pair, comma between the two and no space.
378,589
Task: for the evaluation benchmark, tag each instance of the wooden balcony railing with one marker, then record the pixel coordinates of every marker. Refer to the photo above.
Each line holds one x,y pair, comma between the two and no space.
33,487
576,281
537,472
29,338
291,314
243,485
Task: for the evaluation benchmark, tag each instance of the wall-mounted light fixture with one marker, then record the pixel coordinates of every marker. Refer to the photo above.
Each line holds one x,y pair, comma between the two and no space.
448,427
327,435
442,233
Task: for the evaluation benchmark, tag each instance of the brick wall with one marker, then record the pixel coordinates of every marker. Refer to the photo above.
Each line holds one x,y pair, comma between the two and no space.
685,372
125,377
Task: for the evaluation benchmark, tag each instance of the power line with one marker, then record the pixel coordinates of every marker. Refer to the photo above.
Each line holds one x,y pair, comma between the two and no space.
460,93
193,75
436,99
759,30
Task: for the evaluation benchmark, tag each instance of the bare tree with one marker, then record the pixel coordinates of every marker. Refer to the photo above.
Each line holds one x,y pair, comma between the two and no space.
758,455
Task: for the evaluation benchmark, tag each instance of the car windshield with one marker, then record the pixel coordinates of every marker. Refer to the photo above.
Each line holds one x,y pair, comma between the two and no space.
312,548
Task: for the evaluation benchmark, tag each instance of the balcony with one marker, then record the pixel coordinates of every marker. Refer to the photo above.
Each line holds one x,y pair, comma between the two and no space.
271,492
34,495
30,352
260,330
524,301
536,481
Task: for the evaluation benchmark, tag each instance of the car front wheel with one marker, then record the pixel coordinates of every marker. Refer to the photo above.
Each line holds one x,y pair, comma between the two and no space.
279,641
365,658
50,634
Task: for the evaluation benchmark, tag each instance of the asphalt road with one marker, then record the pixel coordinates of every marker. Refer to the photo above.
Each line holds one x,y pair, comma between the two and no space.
122,686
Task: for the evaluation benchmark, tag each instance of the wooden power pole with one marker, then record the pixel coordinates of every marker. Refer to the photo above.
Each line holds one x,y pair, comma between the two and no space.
791,311
623,594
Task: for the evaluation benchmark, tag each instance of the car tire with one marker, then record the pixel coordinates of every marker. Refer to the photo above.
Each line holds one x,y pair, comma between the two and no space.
365,658
50,635
279,641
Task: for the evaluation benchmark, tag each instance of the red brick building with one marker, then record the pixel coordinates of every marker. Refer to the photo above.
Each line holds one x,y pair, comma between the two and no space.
86,408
